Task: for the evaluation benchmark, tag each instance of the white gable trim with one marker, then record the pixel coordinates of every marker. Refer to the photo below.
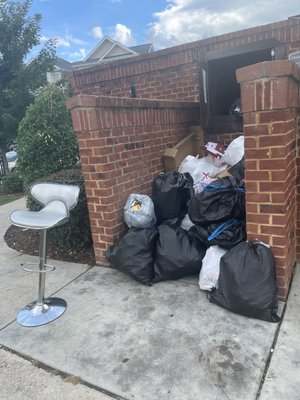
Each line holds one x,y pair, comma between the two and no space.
96,48
110,50
113,44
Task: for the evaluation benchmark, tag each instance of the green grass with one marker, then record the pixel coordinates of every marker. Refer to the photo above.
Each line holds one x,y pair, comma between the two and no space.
7,198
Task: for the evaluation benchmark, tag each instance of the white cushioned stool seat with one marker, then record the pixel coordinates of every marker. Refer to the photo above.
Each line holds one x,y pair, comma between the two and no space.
53,214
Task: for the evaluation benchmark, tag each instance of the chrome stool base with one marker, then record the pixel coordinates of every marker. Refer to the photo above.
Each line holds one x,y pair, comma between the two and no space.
36,315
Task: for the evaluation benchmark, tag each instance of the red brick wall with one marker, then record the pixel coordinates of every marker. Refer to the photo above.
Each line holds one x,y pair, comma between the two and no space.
165,76
298,185
270,100
173,73
121,142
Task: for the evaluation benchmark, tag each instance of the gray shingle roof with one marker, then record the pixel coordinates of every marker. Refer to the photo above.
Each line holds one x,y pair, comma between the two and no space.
63,64
143,48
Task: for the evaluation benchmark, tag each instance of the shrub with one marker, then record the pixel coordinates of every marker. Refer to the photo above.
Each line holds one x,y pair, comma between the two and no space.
12,183
46,142
75,234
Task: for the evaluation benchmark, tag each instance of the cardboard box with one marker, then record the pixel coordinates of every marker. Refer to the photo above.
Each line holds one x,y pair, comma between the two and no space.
192,144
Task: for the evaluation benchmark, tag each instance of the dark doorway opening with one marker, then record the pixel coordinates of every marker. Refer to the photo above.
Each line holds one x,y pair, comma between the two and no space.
223,87
220,89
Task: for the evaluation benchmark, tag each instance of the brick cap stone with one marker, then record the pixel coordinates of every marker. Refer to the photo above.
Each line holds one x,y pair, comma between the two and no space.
268,69
80,101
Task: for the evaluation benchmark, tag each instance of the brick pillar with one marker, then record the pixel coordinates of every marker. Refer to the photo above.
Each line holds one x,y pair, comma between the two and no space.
270,101
121,142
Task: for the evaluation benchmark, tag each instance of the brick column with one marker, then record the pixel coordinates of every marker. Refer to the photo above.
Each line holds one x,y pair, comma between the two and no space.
121,142
270,101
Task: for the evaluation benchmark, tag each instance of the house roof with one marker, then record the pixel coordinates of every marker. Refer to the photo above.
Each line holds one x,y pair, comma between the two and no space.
143,48
60,63
107,50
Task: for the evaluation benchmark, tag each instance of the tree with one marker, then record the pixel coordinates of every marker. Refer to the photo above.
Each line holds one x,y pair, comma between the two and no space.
46,142
19,33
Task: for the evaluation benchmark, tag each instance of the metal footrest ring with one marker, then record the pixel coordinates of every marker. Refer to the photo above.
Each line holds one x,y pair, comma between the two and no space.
27,267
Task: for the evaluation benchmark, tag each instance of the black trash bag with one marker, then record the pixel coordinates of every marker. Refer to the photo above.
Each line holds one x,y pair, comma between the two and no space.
134,254
226,235
177,255
171,193
219,201
238,170
247,283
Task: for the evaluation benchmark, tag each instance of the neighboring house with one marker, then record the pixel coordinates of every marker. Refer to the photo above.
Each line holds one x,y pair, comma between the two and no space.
60,67
110,50
107,50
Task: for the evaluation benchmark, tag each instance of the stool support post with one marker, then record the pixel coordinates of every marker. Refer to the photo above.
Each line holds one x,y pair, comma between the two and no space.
42,262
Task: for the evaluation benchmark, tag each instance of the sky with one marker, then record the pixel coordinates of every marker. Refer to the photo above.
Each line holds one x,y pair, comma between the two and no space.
79,26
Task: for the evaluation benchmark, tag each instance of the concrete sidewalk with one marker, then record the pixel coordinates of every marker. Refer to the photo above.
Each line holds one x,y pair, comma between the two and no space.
129,341
22,379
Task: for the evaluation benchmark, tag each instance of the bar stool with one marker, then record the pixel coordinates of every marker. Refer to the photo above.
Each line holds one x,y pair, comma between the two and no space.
58,200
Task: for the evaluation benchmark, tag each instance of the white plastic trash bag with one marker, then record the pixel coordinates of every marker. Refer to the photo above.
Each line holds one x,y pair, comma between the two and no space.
199,168
139,211
186,223
234,152
189,164
209,273
199,186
